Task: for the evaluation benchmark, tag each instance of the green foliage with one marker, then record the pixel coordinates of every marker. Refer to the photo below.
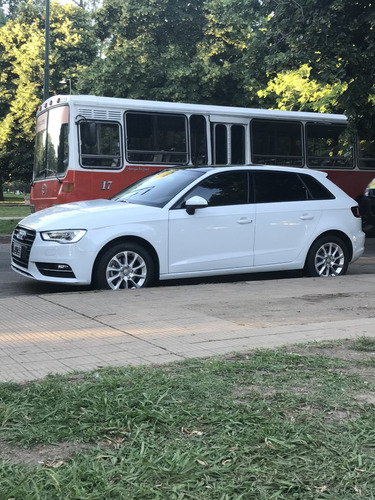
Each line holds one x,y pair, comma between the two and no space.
295,90
306,55
336,39
195,52
21,75
148,50
364,343
232,52
268,424
7,226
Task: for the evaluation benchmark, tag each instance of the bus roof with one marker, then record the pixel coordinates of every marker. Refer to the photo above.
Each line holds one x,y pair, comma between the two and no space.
164,106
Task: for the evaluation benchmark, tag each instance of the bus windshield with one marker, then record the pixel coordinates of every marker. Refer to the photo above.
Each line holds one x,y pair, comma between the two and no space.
51,144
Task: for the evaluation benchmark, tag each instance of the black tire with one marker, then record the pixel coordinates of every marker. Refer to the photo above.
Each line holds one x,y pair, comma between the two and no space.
328,256
125,265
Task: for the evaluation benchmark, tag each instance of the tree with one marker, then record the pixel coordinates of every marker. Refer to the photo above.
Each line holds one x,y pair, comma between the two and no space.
148,49
196,51
233,51
295,90
21,75
21,65
336,39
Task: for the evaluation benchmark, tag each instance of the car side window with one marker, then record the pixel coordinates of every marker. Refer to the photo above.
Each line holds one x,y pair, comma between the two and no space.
227,188
272,187
316,190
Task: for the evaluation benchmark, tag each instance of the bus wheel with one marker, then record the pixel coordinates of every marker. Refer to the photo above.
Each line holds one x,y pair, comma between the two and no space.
125,265
328,256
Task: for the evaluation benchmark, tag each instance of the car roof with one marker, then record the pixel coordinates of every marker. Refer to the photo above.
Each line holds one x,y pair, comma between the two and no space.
269,168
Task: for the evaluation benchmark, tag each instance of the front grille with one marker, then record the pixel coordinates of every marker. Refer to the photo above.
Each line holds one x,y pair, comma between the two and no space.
22,241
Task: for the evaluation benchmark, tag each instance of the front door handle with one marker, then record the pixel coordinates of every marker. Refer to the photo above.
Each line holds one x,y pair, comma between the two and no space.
244,220
306,217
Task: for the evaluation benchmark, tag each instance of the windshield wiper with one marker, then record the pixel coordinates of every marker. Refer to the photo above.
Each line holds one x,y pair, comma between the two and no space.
45,171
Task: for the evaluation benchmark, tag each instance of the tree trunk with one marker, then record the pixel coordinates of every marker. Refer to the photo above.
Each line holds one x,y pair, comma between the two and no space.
1,191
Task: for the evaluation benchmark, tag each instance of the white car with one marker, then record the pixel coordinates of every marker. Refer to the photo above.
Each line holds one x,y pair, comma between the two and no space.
189,222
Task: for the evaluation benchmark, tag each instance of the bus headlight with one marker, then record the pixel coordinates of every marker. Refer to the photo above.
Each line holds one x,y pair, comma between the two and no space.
63,235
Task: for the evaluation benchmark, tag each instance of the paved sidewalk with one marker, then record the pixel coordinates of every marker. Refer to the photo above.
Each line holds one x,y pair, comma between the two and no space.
60,333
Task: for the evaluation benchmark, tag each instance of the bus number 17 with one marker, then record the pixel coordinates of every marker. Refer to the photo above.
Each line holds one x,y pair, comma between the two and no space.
106,185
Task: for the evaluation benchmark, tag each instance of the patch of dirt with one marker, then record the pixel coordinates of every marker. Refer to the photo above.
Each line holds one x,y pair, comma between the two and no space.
365,372
329,417
50,455
365,398
292,415
344,350
252,391
47,455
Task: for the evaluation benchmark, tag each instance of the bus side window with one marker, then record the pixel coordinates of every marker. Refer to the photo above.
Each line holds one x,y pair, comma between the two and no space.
100,145
156,138
328,145
220,144
237,145
367,152
276,142
228,144
198,140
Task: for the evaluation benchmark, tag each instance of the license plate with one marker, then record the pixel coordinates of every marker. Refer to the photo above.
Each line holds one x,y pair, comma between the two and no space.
17,249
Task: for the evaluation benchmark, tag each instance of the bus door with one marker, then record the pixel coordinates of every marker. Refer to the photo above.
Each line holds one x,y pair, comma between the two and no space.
229,141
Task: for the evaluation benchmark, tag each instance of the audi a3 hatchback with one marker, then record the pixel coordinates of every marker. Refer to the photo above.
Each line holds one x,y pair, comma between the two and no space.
189,222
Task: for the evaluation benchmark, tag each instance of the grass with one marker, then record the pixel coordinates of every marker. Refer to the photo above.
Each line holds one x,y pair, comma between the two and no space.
18,212
7,226
14,198
270,424
364,343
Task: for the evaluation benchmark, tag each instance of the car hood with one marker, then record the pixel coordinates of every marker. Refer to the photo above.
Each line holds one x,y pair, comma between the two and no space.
89,214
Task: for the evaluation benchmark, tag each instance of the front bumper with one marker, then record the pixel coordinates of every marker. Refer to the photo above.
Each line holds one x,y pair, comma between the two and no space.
50,261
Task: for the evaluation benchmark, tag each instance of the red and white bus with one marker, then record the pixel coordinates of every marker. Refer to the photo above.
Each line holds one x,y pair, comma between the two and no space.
91,147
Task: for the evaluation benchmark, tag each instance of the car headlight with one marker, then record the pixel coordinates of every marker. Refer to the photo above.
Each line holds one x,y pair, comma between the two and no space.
63,235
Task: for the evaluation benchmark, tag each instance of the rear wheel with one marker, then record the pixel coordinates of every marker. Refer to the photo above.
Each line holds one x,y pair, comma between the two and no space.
328,256
125,265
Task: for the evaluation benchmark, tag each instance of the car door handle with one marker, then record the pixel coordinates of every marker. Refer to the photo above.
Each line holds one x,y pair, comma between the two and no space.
244,220
306,217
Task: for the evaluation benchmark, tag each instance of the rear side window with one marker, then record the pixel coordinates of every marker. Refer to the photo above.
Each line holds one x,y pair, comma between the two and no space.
316,190
271,187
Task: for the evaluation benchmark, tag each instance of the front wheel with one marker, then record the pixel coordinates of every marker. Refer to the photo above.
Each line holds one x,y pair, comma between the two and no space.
328,256
125,265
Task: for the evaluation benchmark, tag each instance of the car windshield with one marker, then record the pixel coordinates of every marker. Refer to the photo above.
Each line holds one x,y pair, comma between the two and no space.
158,189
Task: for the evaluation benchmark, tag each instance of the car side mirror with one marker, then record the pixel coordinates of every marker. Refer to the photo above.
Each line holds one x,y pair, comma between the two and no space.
195,202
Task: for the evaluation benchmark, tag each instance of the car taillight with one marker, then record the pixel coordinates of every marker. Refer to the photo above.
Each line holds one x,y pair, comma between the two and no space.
356,211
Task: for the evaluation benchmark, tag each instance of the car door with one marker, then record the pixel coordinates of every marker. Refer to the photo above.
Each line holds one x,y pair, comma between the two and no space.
286,217
219,236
